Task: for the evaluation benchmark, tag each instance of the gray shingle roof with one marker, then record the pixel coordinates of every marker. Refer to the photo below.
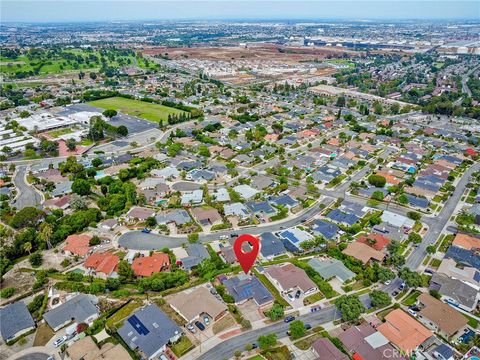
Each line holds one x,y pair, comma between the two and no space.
80,308
329,268
148,329
13,319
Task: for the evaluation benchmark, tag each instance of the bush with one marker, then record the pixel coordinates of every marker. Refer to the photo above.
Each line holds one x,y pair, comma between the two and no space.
36,259
7,292
377,181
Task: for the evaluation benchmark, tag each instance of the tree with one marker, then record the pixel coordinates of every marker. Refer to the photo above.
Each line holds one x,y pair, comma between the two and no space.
28,216
297,329
27,247
151,221
203,151
93,76
267,341
377,181
431,249
95,240
384,274
350,306
435,294
36,259
77,202
414,238
112,284
276,312
81,187
97,162
125,271
122,130
377,195
71,144
109,113
380,298
411,278
414,215
403,199
192,238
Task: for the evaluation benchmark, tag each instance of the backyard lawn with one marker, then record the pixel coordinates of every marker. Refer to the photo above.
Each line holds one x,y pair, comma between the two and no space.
122,313
141,109
182,346
411,299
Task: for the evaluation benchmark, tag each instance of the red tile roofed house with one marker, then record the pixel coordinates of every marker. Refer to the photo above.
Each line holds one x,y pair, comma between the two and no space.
147,265
363,252
77,245
466,242
374,240
325,350
289,279
307,133
57,203
103,264
471,152
271,137
404,331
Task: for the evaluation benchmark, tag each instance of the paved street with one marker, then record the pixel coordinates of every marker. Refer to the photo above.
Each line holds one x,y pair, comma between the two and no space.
26,193
436,227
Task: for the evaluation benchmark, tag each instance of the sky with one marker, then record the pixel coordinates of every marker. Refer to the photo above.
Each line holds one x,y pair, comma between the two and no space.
110,10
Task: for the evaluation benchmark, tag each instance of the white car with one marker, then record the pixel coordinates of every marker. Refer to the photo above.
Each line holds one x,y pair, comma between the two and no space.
412,312
223,237
206,320
387,282
59,341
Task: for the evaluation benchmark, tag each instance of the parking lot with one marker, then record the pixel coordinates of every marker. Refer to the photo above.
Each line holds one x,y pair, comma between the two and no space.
133,124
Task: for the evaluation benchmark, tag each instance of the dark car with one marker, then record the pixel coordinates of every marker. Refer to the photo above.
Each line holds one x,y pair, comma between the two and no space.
254,346
395,293
289,318
146,231
199,325
233,235
297,294
308,326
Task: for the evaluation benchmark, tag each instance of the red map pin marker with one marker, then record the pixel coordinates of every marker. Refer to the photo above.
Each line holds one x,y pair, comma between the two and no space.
246,259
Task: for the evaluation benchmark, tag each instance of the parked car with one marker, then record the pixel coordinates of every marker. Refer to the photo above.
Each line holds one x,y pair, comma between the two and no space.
233,235
254,346
308,326
297,294
146,231
191,328
429,271
223,237
388,282
395,293
289,318
412,312
199,325
206,320
59,341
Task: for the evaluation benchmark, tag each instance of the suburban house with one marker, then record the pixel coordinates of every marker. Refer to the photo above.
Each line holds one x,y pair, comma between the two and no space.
364,342
101,264
176,216
140,213
363,252
57,203
294,237
271,246
236,209
289,279
207,216
244,287
149,331
15,321
86,349
79,308
455,292
331,268
193,304
77,245
192,197
440,317
325,349
145,266
404,331
328,230
374,240
196,254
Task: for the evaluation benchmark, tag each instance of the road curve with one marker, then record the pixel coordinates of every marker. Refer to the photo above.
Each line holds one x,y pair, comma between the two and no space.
27,195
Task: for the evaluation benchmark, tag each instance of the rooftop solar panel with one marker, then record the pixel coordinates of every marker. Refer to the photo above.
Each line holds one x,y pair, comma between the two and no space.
137,325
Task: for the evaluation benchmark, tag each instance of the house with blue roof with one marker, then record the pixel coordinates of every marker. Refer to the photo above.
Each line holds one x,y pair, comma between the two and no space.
244,287
325,229
283,200
295,236
416,201
271,246
149,331
261,208
463,256
340,217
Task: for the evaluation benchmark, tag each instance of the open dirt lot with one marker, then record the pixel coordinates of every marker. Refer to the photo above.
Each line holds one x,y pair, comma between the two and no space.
287,54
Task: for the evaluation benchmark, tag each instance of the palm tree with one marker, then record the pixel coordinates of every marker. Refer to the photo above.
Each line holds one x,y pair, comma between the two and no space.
27,247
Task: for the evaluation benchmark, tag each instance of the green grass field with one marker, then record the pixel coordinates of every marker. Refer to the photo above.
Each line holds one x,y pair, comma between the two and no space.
141,109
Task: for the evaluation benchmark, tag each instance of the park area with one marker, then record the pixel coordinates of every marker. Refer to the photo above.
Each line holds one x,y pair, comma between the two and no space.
145,110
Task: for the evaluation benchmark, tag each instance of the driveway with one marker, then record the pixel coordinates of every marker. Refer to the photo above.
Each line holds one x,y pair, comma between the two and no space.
27,195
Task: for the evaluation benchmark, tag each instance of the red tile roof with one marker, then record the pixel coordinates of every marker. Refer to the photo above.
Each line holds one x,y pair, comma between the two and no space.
102,262
78,244
147,265
380,240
